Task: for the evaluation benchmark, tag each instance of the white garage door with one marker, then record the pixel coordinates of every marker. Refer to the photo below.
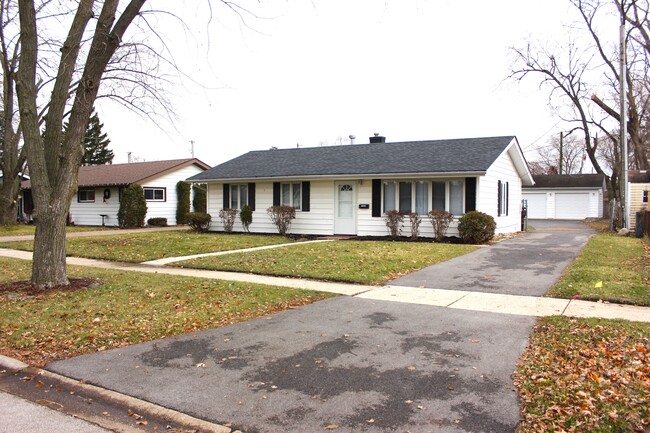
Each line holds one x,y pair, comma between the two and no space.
572,206
536,205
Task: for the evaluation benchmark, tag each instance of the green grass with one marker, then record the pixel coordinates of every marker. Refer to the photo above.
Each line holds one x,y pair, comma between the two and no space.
24,229
364,262
146,246
125,308
616,263
585,375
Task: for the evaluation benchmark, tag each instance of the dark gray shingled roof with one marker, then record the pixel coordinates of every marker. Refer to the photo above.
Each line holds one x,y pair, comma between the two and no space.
435,156
568,181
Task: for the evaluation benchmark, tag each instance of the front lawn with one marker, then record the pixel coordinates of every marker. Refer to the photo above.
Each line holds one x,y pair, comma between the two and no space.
125,308
364,262
28,229
585,375
141,247
609,268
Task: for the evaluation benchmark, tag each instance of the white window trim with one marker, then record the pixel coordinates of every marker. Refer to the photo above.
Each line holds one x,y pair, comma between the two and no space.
240,203
79,200
298,206
429,193
154,189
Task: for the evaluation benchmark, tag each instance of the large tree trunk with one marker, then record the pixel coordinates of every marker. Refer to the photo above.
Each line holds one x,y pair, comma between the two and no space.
8,201
54,157
49,267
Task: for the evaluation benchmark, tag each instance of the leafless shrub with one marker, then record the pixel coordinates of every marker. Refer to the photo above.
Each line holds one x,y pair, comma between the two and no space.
394,222
281,217
228,217
415,221
440,219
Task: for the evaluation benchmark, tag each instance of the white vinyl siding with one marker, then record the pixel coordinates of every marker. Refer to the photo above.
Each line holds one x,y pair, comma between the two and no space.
88,214
636,192
319,220
503,169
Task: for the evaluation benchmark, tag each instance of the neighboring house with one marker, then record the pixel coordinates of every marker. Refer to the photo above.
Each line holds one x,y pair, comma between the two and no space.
638,186
97,199
347,189
566,196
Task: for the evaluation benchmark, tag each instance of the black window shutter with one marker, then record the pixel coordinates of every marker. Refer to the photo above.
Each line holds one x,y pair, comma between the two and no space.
276,193
226,195
470,194
499,198
251,196
507,197
376,198
305,197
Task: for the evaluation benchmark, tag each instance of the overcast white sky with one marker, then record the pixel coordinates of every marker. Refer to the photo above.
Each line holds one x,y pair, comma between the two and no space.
321,70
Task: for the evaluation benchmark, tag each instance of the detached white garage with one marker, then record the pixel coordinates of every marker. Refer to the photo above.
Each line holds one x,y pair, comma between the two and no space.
567,196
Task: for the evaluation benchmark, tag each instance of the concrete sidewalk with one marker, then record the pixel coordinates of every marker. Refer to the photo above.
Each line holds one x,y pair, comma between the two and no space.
455,299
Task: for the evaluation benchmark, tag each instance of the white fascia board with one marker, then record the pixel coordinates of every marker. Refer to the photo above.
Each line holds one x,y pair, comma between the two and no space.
446,175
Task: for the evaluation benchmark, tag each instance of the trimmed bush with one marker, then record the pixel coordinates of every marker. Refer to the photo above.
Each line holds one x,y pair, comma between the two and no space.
415,221
246,217
394,220
440,220
476,227
228,219
133,207
281,216
183,206
199,221
157,222
200,201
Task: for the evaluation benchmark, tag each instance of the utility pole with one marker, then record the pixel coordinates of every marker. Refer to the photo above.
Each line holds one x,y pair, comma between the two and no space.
561,147
623,104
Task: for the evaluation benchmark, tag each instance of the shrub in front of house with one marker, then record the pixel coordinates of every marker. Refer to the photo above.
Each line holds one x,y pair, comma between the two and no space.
415,221
228,217
246,217
200,200
282,216
183,205
157,222
133,207
476,227
394,220
199,221
440,220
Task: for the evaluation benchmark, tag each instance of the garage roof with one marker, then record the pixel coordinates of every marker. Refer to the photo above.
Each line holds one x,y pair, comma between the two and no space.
546,181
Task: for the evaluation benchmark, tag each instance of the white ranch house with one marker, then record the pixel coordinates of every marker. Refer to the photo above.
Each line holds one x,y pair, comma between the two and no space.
97,199
345,190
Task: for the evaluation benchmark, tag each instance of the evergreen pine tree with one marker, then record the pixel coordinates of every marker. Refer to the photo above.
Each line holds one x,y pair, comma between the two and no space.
96,144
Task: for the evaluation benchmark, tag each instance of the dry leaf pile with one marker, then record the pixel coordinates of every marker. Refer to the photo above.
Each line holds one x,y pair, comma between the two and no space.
586,376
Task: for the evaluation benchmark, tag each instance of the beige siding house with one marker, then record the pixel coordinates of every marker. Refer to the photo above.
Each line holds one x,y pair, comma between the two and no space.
638,186
345,190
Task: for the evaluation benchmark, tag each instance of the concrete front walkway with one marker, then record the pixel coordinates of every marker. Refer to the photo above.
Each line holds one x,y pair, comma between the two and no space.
454,299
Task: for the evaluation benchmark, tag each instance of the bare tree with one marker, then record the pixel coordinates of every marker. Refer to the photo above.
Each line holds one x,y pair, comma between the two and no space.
573,153
54,157
12,156
583,81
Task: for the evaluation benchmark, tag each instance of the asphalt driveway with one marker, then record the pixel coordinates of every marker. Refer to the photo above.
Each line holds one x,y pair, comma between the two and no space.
350,364
527,265
356,364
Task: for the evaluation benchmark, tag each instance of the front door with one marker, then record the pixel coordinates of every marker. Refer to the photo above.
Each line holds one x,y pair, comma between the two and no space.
345,209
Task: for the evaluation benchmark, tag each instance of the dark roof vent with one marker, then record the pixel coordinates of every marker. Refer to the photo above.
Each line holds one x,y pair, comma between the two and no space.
377,139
